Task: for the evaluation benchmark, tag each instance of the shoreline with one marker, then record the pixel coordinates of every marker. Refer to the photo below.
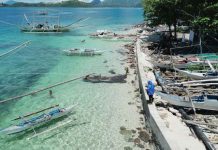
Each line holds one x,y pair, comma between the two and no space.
165,126
166,121
110,116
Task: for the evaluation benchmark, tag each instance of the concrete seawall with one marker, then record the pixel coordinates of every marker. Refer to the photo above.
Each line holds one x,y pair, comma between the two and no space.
159,129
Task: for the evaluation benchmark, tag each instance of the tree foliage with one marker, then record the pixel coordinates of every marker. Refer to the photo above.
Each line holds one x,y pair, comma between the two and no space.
201,14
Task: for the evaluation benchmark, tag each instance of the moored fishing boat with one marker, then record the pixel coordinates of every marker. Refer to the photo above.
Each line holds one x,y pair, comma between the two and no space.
82,52
103,34
38,120
44,23
41,28
42,12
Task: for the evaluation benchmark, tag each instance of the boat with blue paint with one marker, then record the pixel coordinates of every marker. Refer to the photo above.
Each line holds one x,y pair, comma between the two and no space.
39,120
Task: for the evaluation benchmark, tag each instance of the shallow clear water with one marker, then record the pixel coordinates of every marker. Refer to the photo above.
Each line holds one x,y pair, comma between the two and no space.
99,115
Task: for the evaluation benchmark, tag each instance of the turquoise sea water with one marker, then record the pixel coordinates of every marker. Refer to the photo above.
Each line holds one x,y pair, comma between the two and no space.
99,116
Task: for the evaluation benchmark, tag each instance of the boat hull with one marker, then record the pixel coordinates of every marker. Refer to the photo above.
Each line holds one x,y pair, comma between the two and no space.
205,104
20,128
82,53
57,30
196,75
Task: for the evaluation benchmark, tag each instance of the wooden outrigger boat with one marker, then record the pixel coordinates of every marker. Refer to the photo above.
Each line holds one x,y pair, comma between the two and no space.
82,52
181,62
47,24
211,74
39,120
199,100
40,28
181,65
205,102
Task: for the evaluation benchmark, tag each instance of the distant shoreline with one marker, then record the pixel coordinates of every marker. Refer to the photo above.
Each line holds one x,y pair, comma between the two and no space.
71,4
69,7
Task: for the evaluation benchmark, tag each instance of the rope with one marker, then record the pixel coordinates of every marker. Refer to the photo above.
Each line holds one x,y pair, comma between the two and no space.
80,20
8,23
40,90
10,51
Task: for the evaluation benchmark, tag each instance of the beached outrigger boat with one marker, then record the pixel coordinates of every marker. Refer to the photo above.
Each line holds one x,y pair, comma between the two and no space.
180,65
210,74
205,102
82,52
188,97
181,62
39,120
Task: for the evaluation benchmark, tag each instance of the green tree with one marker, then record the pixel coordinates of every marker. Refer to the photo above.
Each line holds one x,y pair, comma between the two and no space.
201,14
162,12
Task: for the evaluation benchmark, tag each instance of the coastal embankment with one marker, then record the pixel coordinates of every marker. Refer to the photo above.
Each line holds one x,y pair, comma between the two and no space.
168,129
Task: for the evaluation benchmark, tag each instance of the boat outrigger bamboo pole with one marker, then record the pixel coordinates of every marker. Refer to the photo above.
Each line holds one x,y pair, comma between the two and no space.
20,117
199,133
200,123
194,81
46,131
43,89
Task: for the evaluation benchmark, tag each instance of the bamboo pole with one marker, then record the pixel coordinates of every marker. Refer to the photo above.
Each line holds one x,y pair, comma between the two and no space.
197,124
49,130
198,132
201,123
195,81
198,89
205,84
30,114
40,90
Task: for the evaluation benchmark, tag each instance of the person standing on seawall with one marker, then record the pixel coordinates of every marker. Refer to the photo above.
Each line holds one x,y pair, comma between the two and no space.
150,91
